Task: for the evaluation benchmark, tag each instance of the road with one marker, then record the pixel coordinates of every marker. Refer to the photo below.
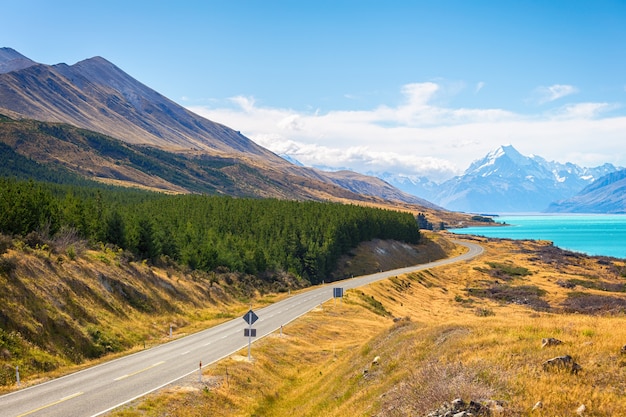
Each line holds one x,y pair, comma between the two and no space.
102,388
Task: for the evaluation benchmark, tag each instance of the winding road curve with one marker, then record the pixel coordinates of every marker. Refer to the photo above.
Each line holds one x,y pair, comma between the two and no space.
102,388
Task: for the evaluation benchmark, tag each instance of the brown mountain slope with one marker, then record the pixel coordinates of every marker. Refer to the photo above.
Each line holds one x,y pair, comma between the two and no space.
98,157
94,94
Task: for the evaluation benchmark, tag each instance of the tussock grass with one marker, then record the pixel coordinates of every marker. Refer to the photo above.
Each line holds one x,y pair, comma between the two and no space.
431,349
60,313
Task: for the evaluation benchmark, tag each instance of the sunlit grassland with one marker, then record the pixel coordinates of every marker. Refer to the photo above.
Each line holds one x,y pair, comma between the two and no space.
67,306
74,312
436,340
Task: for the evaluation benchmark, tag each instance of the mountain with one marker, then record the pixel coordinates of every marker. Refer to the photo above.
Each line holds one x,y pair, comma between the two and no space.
413,184
97,96
11,60
606,195
505,181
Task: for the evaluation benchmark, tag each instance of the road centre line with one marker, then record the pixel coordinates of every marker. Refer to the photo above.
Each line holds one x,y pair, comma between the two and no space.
69,397
139,371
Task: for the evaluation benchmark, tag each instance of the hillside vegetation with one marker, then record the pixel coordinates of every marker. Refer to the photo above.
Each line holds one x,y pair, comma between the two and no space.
411,344
252,236
89,271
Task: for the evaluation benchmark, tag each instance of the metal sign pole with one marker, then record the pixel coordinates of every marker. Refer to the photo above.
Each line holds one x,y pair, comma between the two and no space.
250,318
249,333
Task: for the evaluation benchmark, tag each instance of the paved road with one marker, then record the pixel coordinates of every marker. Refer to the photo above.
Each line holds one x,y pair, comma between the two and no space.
102,388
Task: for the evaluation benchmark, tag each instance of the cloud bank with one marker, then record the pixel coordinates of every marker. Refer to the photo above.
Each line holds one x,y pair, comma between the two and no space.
418,137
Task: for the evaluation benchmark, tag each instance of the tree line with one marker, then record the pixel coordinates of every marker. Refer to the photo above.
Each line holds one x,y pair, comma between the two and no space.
203,232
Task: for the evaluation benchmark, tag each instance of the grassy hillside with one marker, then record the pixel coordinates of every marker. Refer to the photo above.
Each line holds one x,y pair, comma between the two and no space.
408,345
62,309
66,305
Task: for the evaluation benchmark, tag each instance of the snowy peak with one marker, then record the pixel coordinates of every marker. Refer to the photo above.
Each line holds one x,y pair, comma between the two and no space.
504,181
507,181
504,161
508,152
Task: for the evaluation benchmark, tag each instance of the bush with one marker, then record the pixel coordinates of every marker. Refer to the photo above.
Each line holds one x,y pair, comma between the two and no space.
484,312
529,295
7,264
67,237
579,302
433,384
500,269
5,243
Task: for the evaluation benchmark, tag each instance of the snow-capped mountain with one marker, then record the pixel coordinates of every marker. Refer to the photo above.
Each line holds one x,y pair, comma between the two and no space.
605,195
505,181
413,184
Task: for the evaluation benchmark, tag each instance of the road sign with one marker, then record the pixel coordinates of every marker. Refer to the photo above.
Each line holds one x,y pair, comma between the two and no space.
338,292
250,317
249,332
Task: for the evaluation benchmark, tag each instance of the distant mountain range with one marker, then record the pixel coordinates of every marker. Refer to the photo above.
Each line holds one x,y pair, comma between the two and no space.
505,181
605,195
198,155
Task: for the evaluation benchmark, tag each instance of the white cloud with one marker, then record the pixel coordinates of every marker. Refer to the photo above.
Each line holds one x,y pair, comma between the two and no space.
554,92
418,137
585,110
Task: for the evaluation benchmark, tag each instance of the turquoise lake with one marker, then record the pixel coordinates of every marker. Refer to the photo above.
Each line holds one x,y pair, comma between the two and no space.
593,234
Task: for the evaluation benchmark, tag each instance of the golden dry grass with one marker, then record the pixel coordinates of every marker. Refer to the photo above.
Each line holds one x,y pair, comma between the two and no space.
449,342
59,312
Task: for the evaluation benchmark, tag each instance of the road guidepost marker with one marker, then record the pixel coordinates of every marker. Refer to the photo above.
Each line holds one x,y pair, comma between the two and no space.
200,372
250,317
17,374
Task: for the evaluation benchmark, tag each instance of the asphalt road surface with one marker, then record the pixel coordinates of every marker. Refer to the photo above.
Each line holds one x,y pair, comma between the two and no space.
102,388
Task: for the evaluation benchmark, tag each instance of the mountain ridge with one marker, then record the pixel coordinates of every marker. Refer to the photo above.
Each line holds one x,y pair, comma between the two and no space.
505,181
11,60
96,95
605,195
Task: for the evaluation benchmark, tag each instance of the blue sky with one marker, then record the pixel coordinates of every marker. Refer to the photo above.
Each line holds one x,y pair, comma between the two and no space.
414,87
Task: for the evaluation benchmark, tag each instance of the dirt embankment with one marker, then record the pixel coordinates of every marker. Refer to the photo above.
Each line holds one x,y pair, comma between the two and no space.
383,255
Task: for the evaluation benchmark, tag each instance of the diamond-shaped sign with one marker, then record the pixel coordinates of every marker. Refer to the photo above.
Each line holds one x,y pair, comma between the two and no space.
250,317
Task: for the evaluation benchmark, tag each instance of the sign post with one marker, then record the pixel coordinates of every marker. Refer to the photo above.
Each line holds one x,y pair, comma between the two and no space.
250,317
337,293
